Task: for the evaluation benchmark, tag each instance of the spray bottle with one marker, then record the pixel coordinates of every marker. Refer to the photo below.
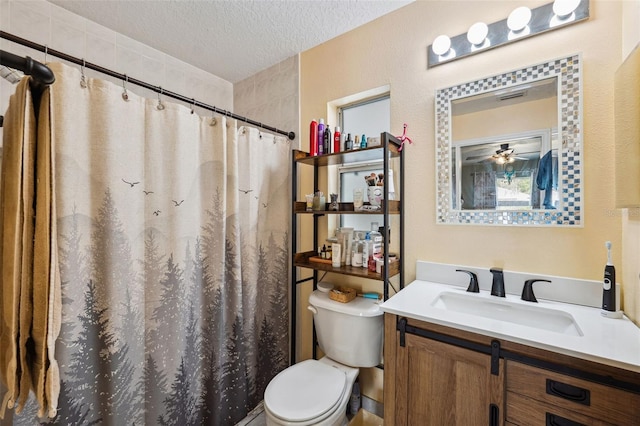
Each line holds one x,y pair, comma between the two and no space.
320,137
327,140
313,138
336,140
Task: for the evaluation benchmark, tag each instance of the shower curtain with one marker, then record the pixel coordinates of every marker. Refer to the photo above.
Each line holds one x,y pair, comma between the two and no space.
173,244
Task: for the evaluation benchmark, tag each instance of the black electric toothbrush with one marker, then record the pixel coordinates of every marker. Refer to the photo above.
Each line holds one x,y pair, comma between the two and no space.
609,308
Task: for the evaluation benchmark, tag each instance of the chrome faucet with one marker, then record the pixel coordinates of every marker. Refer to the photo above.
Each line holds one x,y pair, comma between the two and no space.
497,285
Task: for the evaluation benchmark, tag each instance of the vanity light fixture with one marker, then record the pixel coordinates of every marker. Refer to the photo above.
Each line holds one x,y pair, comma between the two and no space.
521,23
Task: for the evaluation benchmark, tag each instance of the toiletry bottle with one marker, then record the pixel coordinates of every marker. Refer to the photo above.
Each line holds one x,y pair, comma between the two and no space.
363,142
313,138
366,250
327,140
356,143
609,308
376,240
342,141
336,140
320,137
356,252
348,144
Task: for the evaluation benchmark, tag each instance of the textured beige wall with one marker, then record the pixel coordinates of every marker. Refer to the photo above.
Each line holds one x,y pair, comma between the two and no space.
392,51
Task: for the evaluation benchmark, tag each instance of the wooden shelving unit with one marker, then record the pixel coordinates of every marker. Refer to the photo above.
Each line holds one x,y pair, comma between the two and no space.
389,148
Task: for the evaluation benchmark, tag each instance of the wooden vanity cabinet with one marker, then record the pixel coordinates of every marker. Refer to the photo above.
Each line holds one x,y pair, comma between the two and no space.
436,375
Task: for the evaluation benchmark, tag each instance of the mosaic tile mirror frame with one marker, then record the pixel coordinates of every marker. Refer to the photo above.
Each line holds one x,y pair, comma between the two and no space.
568,211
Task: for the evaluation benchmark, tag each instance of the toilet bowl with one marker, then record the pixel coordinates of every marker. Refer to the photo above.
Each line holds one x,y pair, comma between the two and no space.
310,393
317,392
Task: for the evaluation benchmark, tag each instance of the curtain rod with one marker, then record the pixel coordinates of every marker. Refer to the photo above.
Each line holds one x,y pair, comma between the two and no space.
157,89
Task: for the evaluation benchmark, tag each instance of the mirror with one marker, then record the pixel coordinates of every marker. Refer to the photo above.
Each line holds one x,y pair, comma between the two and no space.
508,148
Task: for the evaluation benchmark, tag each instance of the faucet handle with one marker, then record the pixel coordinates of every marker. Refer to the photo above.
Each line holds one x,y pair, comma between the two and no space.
527,290
473,281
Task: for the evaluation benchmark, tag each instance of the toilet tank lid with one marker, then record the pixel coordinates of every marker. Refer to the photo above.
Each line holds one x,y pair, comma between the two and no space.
359,306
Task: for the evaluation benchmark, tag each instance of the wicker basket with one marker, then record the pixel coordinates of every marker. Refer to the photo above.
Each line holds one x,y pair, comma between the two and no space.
342,294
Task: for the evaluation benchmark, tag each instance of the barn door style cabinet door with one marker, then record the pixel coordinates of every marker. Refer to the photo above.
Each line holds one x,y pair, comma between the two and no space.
437,383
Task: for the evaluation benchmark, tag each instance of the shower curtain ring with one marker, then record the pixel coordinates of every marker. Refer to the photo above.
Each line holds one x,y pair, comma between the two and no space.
160,106
193,105
46,52
125,95
83,81
212,122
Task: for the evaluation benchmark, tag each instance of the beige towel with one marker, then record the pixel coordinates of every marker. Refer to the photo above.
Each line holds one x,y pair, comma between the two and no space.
30,290
16,232
46,277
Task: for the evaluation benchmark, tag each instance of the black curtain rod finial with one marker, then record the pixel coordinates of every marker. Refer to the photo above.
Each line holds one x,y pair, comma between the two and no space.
40,73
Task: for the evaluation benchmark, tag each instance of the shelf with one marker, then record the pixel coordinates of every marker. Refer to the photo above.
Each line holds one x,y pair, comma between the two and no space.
302,260
361,155
345,208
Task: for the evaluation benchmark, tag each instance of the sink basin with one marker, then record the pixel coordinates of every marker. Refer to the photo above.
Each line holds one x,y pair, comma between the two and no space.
504,310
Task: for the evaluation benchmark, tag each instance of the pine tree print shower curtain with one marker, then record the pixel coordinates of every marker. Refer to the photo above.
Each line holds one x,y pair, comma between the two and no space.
173,246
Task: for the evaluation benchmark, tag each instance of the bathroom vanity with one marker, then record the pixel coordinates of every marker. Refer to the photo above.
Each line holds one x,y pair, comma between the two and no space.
449,361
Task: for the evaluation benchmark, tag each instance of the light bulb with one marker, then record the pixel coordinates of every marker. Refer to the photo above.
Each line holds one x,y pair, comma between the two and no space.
441,45
564,8
519,19
477,33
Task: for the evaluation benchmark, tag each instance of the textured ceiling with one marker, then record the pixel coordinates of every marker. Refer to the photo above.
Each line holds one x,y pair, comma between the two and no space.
231,39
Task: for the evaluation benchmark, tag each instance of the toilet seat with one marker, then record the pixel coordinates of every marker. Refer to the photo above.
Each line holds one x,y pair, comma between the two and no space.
309,390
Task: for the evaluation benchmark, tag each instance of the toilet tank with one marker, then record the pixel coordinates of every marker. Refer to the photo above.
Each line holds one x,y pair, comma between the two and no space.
349,333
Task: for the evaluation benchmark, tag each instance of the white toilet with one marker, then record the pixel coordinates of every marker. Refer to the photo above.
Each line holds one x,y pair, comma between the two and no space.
317,392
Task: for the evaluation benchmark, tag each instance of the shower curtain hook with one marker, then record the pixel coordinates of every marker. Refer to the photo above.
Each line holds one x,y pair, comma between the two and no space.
160,107
46,52
125,95
83,81
193,105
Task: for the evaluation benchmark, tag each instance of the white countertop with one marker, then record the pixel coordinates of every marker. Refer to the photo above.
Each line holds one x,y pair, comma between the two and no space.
614,342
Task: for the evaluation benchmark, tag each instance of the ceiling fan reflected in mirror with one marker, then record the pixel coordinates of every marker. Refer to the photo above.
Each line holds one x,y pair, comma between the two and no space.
503,155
